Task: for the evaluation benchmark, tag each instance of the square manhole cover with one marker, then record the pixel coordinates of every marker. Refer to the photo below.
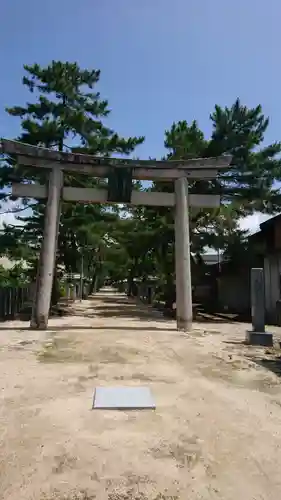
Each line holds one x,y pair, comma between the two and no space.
123,398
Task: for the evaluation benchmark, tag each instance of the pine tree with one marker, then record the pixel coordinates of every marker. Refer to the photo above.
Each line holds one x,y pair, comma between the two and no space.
249,185
67,113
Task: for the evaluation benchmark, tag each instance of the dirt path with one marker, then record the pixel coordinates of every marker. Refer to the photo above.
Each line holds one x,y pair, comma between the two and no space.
216,432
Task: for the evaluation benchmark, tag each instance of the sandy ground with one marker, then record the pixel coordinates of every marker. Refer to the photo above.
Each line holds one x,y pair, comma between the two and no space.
216,432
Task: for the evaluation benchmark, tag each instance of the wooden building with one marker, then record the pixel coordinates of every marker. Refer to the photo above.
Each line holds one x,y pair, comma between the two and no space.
267,244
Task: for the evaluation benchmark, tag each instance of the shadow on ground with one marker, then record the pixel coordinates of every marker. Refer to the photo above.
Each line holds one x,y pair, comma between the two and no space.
205,314
273,364
111,306
104,307
111,299
201,313
235,342
102,327
128,311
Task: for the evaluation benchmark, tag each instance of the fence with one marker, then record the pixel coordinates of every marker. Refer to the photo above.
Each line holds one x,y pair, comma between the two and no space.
72,290
12,300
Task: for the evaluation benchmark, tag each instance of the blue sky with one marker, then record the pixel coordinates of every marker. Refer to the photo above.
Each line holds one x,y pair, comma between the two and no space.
160,60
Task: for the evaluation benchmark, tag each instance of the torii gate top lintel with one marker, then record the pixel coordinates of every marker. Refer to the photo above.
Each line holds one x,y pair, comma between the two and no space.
98,166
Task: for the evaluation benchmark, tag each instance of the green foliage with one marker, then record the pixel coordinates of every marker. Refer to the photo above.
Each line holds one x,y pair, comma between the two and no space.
14,277
65,109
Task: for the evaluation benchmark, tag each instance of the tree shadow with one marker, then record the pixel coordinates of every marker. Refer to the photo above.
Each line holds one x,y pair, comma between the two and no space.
120,306
128,311
212,318
206,315
273,365
102,307
111,299
88,327
235,342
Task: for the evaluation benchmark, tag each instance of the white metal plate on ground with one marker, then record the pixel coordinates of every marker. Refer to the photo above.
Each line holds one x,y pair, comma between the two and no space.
123,398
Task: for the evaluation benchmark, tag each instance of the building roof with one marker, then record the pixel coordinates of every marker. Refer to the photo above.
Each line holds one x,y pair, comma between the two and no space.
264,228
270,222
211,258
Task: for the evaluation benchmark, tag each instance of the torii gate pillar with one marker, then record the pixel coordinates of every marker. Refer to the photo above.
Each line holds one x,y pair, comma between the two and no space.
182,253
44,282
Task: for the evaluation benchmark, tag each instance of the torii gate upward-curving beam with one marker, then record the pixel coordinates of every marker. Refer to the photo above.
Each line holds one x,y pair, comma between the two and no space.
179,171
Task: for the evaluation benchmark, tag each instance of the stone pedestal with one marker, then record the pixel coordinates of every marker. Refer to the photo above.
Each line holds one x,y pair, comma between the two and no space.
259,338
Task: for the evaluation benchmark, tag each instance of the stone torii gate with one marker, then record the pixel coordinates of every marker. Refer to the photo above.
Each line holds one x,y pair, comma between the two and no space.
179,171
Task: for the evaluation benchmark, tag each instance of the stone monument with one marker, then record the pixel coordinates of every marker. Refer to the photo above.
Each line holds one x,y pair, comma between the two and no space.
258,335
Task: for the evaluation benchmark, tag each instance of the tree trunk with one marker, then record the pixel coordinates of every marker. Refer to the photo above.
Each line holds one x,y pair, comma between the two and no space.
169,292
130,281
93,284
55,289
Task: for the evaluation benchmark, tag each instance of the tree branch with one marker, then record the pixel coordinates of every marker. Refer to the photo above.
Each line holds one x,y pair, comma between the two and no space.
17,210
